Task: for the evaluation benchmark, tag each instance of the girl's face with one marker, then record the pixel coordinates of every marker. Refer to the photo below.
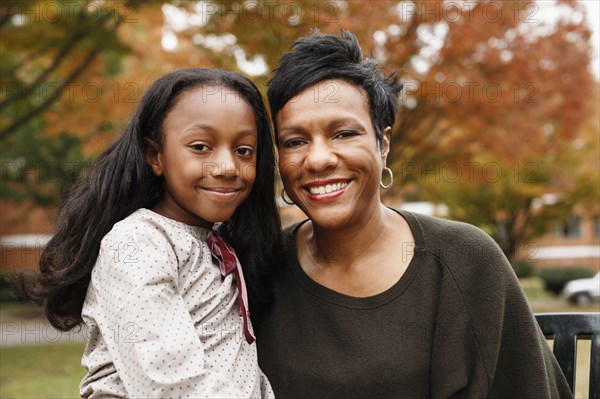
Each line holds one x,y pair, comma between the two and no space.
208,156
329,158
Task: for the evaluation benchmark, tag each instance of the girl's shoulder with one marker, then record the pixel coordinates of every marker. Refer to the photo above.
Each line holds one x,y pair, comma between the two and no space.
145,236
148,226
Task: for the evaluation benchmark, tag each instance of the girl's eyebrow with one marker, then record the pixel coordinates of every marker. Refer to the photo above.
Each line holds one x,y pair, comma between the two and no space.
199,126
203,126
248,133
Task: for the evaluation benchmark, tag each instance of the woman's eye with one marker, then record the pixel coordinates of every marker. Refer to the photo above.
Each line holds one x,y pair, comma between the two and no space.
292,143
346,133
244,151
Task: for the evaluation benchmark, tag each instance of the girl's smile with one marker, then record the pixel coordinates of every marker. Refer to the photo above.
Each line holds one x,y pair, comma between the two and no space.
222,193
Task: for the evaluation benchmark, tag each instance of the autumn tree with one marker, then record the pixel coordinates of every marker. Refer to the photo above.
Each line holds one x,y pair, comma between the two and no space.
487,84
524,166
466,65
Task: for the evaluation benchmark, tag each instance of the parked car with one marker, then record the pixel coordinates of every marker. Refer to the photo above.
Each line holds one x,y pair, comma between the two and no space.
583,291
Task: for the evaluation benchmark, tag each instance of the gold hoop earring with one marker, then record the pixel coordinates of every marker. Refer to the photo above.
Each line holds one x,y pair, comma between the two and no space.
389,172
285,199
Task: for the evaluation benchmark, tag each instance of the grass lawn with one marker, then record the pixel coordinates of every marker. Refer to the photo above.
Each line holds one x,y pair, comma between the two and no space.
19,311
41,371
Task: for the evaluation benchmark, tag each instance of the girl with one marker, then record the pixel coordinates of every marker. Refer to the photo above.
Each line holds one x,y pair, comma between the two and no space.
133,253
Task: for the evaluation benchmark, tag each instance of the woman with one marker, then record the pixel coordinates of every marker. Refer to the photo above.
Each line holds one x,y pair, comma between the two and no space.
374,302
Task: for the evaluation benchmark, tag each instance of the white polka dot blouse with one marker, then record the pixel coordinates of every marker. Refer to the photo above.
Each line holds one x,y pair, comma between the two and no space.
161,321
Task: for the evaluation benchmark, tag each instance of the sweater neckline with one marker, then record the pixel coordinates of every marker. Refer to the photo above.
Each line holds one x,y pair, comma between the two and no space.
348,301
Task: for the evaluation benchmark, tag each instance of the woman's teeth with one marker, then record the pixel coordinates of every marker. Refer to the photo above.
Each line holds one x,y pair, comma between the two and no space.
327,188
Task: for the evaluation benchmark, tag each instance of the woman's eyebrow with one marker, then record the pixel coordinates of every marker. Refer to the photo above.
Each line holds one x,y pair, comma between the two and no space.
330,124
291,128
345,121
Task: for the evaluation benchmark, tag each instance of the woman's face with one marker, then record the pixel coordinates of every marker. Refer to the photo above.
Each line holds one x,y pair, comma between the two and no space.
329,158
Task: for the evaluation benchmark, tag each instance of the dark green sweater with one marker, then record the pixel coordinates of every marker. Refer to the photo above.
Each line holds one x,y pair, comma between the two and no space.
456,324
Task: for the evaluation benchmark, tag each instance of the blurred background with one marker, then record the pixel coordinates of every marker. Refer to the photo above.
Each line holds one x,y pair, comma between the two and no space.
499,126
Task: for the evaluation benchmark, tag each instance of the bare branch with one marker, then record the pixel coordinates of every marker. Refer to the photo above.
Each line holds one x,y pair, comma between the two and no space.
56,94
60,57
32,55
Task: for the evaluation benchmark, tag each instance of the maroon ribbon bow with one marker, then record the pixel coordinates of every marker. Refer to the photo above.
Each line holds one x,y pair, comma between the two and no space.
228,262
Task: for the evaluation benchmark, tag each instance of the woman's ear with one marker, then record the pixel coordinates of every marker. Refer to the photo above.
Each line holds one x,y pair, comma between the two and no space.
385,148
154,157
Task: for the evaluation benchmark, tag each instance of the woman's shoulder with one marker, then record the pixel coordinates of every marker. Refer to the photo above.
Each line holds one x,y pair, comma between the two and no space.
290,254
440,232
469,256
454,242
289,232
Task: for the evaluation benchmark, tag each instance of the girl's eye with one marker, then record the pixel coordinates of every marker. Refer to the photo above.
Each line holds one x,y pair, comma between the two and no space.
199,147
293,143
244,151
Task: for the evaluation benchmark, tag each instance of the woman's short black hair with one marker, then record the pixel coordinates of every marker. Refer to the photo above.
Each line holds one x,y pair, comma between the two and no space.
319,57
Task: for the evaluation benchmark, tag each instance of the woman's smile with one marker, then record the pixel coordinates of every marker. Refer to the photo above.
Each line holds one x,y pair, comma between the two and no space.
326,190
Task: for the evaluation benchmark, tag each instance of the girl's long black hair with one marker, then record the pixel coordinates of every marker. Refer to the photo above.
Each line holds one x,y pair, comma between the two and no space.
121,182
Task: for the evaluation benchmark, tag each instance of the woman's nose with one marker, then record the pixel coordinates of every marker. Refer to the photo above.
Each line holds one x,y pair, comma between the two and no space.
320,157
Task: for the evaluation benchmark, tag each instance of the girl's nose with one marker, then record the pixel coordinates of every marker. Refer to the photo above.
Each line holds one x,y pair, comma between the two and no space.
226,165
